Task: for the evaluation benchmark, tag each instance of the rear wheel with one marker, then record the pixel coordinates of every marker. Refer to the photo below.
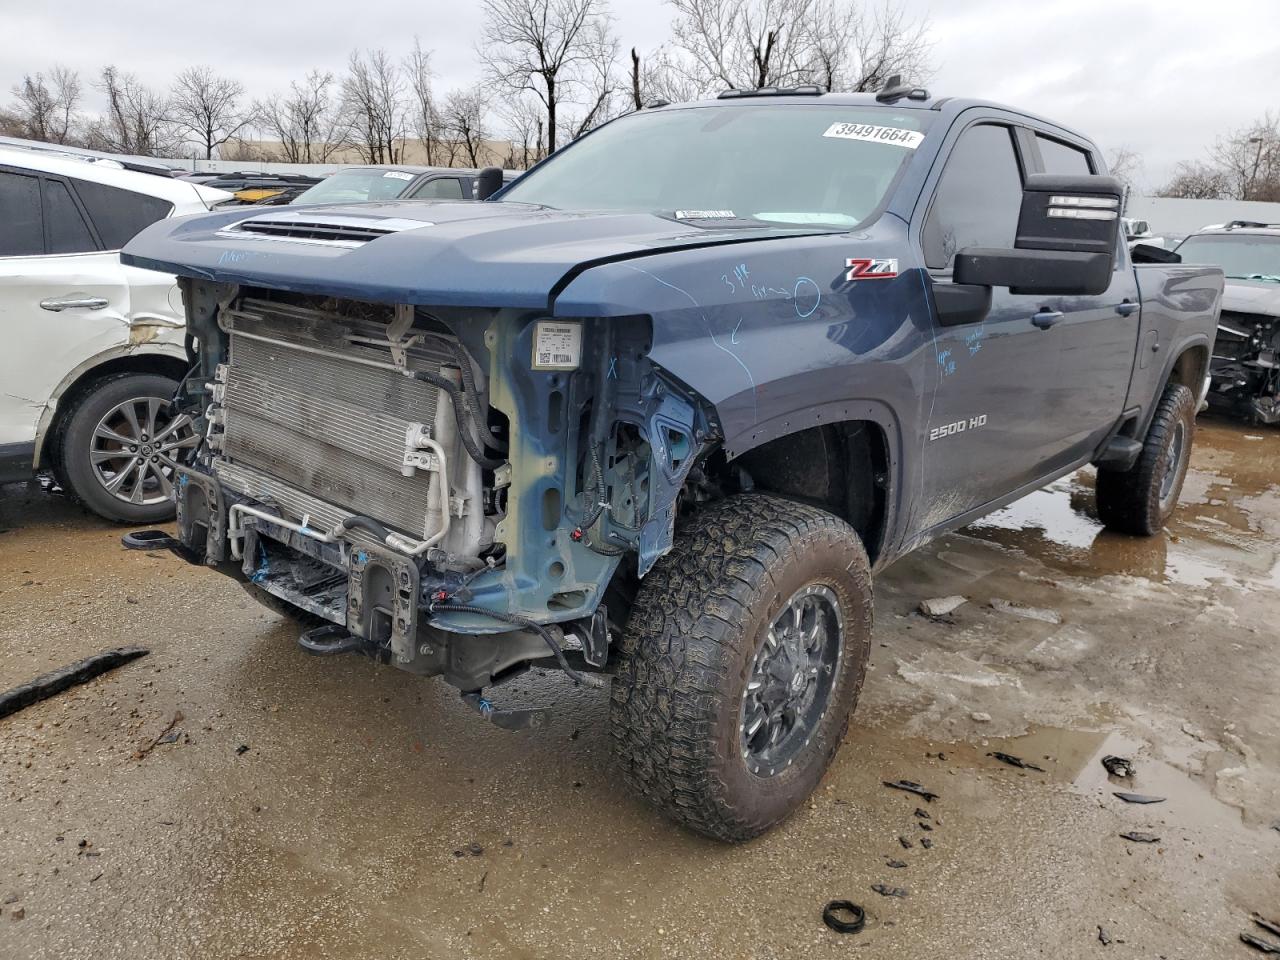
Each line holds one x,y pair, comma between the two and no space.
741,664
120,446
1141,500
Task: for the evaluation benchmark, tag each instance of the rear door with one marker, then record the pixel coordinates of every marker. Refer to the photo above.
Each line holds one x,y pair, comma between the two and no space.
1097,337
985,432
61,295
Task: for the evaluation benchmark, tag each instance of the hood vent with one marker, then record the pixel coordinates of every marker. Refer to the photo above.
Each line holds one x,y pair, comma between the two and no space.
336,230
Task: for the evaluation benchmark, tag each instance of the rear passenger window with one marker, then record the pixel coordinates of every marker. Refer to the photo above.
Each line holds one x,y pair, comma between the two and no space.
22,234
441,188
978,199
68,233
1063,159
119,214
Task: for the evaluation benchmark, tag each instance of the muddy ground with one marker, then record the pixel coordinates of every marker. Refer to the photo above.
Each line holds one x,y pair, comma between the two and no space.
333,808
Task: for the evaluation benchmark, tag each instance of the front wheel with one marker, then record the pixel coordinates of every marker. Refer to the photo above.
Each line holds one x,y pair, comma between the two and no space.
121,445
1140,500
741,664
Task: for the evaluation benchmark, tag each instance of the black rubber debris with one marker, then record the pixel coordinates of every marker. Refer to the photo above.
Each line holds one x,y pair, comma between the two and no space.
844,916
242,750
926,843
51,684
1104,938
1268,925
896,864
922,814
1013,761
1118,766
887,891
910,786
1137,797
1265,946
906,844
1137,836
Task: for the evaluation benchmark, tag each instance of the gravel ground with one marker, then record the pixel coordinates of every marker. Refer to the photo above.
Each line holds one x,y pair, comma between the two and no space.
333,808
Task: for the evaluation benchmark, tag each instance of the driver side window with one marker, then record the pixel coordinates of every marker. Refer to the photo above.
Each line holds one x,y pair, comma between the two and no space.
978,199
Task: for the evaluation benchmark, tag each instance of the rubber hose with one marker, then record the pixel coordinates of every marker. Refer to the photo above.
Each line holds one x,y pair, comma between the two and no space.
518,621
474,450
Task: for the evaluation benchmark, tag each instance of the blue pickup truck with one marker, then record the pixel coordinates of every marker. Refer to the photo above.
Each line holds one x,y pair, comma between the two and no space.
654,413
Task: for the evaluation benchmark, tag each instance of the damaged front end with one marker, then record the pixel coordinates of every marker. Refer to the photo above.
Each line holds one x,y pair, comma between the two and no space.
1246,366
448,489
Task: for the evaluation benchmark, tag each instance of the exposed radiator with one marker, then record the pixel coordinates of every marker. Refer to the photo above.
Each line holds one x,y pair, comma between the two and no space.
327,427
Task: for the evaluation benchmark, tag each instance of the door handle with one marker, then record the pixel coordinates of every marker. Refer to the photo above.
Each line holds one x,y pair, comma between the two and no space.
1046,318
58,304
1126,308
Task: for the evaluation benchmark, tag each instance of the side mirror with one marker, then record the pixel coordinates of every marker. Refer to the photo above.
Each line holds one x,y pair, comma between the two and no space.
1068,230
1150,253
488,182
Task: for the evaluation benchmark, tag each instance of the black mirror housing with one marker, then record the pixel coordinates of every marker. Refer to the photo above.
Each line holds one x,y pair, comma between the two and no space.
1068,232
488,182
1048,272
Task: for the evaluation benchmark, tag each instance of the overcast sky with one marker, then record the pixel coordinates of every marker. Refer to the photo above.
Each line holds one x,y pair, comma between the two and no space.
1162,77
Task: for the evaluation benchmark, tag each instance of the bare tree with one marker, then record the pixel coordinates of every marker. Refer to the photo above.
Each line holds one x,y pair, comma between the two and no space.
464,122
307,123
601,87
426,121
1249,160
206,108
835,44
1124,165
661,76
137,117
551,48
45,108
1196,180
374,100
524,123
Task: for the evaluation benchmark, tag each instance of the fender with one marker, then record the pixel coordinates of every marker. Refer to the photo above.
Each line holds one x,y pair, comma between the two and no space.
1175,354
164,346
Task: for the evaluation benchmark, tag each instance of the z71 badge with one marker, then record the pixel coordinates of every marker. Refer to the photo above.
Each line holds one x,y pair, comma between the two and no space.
871,268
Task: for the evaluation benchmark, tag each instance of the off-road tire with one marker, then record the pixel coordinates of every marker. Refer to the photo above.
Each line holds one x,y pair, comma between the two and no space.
699,619
75,434
1137,501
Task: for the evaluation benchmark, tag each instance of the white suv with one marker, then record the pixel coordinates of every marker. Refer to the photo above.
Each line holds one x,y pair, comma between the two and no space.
91,351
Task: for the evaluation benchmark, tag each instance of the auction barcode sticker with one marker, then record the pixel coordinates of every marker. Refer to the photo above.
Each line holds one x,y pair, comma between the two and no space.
398,175
871,133
557,345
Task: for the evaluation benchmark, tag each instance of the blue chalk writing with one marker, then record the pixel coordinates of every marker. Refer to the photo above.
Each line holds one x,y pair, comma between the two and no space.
974,340
803,291
613,369
946,363
733,337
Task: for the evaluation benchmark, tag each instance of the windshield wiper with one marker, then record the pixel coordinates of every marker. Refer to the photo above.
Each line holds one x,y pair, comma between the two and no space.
1254,276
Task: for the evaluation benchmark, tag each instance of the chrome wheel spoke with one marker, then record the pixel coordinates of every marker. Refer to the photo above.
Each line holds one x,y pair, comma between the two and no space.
103,432
121,476
131,415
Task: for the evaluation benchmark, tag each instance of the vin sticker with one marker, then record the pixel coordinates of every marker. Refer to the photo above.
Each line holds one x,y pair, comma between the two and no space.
871,268
705,215
557,345
871,133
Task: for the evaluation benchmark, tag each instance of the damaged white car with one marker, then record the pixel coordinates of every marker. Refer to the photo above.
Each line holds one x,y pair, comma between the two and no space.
93,349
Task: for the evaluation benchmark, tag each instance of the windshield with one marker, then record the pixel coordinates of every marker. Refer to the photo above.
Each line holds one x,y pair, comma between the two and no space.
357,186
1242,256
781,163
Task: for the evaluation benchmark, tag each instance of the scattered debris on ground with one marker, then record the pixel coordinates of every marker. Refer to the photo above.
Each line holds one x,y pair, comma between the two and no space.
896,864
906,844
844,916
51,684
167,735
1104,937
1137,797
979,716
242,750
1268,925
885,890
1137,836
941,607
910,786
1042,614
1263,946
1013,761
1119,766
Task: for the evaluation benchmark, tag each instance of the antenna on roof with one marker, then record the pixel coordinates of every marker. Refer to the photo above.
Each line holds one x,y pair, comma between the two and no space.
894,90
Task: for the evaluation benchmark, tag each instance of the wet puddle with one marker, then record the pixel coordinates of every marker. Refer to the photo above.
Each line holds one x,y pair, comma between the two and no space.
1230,494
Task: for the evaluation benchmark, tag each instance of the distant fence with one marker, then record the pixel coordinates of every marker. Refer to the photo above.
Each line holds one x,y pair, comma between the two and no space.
1171,215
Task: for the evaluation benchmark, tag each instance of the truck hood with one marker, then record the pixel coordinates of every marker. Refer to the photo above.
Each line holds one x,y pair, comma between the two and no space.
1252,296
490,254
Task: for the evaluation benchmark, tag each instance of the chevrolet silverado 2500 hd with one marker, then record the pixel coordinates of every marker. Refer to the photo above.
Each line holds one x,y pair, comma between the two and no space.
660,408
